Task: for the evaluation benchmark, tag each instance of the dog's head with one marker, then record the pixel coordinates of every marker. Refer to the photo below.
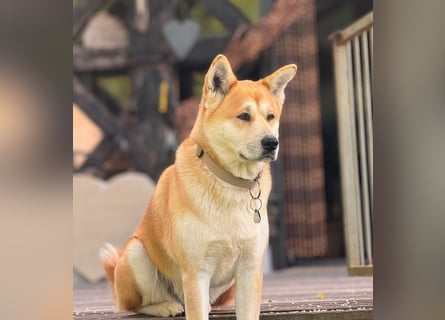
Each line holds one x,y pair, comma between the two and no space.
239,120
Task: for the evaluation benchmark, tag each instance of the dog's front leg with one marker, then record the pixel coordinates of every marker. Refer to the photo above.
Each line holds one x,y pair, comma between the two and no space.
249,284
196,295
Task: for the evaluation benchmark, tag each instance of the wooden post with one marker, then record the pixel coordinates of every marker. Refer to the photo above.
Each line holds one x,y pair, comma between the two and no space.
354,108
348,166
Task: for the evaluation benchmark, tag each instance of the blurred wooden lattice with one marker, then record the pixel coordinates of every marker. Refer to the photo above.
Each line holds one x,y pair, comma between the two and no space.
305,206
140,135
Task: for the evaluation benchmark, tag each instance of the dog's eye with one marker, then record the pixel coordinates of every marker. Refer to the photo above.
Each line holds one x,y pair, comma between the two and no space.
244,116
270,117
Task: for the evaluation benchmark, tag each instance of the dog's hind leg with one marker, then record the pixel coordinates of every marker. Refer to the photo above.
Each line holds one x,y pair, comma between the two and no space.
156,298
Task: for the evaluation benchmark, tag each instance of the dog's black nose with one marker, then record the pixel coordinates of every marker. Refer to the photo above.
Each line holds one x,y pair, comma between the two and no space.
269,143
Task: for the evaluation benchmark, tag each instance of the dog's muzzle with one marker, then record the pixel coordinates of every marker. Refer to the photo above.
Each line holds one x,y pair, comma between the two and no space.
270,145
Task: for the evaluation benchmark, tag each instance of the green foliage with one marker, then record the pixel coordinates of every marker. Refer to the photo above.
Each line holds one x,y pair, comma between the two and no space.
198,80
209,25
119,87
250,8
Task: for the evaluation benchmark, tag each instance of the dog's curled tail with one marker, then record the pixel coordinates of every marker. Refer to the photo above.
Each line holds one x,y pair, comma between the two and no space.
110,256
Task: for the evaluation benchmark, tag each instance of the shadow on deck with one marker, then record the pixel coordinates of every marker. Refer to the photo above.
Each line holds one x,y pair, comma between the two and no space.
309,293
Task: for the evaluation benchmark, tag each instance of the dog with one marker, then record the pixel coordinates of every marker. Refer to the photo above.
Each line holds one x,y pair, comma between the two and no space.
202,239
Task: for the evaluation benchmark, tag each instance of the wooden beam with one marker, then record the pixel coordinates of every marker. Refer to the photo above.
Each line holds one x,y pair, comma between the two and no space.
107,99
87,60
99,60
139,154
98,156
82,12
94,108
361,270
227,13
364,23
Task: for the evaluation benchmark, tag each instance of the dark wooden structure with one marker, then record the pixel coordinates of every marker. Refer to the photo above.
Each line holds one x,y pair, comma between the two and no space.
149,61
305,293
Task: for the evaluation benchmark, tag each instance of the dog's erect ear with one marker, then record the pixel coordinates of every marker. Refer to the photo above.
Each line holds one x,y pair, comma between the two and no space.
218,80
277,81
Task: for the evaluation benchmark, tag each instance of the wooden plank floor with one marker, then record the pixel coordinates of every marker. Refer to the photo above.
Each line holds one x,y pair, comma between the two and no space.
309,292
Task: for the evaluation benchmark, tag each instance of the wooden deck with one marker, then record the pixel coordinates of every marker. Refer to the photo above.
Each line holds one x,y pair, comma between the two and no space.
309,292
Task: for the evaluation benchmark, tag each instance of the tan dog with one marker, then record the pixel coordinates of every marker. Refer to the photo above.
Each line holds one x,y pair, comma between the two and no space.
206,225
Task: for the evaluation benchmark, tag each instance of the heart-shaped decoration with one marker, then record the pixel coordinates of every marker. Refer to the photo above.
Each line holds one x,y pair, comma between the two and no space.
105,211
181,36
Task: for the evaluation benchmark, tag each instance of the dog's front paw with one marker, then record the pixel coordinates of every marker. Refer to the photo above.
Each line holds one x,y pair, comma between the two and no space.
171,309
163,309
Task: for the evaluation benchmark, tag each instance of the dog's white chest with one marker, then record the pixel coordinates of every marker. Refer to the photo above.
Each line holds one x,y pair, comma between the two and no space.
223,257
218,242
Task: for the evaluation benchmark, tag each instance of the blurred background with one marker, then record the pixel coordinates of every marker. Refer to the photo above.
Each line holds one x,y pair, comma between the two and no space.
138,69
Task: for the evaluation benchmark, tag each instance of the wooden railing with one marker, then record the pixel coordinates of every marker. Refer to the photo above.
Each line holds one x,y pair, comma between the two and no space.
352,49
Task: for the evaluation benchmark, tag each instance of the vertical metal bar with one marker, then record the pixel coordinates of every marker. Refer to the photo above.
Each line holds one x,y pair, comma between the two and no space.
364,188
348,151
369,142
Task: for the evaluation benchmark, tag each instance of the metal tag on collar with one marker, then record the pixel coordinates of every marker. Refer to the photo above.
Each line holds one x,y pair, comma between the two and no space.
255,203
257,216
